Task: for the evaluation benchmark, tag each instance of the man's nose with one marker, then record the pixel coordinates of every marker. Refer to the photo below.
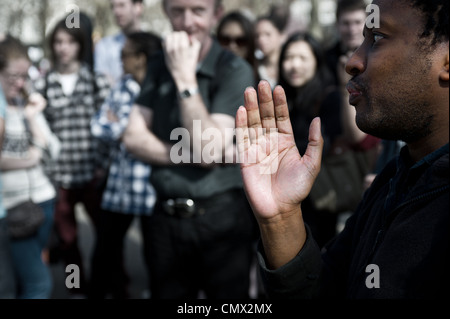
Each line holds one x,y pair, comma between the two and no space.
356,64
188,18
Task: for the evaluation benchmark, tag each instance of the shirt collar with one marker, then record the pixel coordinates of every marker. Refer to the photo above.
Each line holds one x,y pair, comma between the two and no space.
428,160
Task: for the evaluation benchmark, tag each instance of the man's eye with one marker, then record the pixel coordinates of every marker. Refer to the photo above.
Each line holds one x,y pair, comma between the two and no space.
377,37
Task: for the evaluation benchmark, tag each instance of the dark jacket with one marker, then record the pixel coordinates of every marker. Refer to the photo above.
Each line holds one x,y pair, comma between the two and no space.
398,237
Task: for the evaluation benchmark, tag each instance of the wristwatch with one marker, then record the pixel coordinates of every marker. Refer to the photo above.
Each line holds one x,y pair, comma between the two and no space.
188,93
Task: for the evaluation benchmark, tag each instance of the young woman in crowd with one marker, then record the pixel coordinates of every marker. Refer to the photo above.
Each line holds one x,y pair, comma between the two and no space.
236,33
269,39
74,94
27,138
128,191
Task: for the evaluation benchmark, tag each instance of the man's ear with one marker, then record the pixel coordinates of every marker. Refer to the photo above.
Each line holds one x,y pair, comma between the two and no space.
444,75
139,8
219,12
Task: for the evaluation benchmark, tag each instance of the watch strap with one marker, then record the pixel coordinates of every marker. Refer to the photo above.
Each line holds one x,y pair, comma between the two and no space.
188,93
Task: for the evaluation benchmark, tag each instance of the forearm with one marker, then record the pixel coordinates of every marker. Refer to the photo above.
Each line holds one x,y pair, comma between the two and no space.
38,137
198,121
147,147
282,237
9,163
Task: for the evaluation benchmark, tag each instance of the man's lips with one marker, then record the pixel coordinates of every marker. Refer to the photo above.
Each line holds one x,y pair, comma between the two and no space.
354,91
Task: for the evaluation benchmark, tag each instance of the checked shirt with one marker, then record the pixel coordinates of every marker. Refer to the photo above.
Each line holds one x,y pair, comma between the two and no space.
69,118
128,189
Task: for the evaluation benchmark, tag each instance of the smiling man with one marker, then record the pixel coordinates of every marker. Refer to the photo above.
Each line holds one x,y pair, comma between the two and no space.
200,238
396,244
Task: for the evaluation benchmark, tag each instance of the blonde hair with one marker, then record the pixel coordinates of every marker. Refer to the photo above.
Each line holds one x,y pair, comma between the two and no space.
217,6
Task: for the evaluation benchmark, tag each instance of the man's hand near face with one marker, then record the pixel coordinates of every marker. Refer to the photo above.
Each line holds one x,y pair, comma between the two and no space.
182,54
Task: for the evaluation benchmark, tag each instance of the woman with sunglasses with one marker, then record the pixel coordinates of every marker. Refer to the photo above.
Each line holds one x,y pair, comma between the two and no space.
235,32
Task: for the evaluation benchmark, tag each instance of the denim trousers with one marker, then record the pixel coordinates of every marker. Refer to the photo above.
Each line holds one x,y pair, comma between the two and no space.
33,277
7,282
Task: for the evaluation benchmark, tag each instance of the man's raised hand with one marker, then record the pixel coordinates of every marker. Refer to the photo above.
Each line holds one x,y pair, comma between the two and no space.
276,177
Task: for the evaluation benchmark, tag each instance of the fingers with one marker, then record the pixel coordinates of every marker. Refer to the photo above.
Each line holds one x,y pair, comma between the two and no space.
283,122
254,124
266,105
179,41
176,40
37,102
242,137
269,111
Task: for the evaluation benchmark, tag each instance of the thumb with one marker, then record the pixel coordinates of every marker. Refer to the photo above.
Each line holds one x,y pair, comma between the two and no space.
313,154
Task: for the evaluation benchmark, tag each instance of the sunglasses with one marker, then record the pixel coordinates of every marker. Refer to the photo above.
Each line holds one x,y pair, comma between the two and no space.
226,41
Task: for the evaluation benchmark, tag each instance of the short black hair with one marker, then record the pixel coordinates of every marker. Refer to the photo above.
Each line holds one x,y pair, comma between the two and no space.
145,42
276,21
436,16
247,26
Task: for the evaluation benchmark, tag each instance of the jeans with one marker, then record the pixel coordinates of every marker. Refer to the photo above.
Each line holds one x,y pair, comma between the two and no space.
7,283
33,277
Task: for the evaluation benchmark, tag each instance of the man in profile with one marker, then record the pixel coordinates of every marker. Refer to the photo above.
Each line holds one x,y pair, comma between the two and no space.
396,244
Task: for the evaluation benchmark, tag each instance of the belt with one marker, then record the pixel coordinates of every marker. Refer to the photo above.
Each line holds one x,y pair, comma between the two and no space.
190,208
180,207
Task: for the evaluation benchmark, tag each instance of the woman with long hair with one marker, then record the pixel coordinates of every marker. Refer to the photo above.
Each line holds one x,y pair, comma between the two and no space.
74,94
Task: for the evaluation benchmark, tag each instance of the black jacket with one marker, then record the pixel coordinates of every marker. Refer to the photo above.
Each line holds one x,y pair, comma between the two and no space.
398,237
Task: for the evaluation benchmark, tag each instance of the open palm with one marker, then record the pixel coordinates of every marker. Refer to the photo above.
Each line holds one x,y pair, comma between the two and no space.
276,177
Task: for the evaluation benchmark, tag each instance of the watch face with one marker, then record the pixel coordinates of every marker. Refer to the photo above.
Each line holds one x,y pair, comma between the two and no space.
188,93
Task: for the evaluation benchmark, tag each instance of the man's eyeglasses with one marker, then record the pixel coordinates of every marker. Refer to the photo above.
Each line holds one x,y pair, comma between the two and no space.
13,77
226,41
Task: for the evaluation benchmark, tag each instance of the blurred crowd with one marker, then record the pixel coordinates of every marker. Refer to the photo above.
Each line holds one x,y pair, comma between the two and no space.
93,126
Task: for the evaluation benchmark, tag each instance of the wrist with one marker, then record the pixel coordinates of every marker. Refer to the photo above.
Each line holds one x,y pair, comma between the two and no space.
188,92
282,239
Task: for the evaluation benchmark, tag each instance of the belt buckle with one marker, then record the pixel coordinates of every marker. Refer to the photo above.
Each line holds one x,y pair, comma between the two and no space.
180,207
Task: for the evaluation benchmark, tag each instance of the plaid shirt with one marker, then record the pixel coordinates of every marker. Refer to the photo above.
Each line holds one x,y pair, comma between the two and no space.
69,118
128,189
